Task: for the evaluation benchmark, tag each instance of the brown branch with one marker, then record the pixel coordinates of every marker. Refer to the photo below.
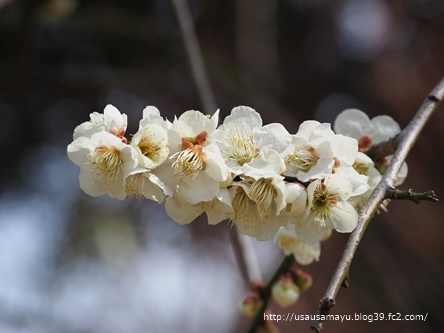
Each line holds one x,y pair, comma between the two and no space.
383,149
407,139
412,196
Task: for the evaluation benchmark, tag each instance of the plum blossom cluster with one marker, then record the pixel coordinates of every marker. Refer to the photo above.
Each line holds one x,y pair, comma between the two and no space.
263,180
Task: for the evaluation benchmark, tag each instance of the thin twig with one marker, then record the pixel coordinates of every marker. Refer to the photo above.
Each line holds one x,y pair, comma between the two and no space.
244,251
266,292
194,55
407,138
412,196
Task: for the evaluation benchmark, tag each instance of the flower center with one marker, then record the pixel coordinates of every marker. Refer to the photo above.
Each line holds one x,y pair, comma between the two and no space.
189,162
242,148
301,160
323,202
148,148
106,161
360,168
134,185
263,193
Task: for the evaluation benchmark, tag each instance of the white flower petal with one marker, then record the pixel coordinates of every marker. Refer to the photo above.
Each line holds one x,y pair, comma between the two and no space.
308,231
384,128
191,123
273,136
242,116
296,198
344,217
215,164
201,188
345,148
79,150
267,163
182,212
306,128
90,185
219,207
353,123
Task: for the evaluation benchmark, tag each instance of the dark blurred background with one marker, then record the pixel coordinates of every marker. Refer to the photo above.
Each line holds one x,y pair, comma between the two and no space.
72,263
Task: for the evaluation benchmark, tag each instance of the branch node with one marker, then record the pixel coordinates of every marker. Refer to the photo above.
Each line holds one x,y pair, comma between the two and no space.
325,305
346,282
324,309
433,98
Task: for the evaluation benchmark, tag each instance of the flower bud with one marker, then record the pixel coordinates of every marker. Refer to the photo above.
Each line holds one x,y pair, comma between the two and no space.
251,304
302,279
285,292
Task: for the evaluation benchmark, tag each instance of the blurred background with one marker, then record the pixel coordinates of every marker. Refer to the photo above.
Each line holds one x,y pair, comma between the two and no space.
75,264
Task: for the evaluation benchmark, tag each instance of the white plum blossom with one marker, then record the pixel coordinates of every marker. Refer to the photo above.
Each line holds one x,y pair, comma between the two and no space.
151,142
103,161
142,182
260,178
365,166
356,124
196,167
315,150
111,121
328,208
259,198
241,137
303,253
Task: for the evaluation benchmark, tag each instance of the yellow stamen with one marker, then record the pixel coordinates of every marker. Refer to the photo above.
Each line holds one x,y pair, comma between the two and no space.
189,162
301,160
106,161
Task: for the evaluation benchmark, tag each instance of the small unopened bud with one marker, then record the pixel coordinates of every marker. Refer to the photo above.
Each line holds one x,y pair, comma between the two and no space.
302,279
251,304
285,292
364,143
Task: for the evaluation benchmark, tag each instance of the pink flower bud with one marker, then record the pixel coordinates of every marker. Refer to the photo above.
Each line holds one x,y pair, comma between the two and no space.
302,279
251,304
